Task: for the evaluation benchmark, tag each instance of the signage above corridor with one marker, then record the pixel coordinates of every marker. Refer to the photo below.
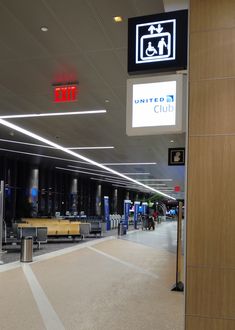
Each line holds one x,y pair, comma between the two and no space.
158,42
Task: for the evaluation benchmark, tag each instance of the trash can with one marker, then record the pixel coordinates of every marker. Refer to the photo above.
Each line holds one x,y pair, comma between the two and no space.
26,253
122,228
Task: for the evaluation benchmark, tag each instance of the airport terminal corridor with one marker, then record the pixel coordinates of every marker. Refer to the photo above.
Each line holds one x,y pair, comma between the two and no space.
106,283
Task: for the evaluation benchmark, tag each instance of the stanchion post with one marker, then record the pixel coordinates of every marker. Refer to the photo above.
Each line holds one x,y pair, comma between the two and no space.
179,286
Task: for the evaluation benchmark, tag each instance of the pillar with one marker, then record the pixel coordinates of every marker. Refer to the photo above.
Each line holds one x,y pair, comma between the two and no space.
210,261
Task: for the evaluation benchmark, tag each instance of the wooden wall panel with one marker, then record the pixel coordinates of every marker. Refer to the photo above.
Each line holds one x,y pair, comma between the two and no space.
212,107
212,54
210,14
211,179
210,261
197,323
211,292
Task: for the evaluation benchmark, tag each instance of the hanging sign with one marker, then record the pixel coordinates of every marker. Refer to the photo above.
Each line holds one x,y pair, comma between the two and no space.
158,42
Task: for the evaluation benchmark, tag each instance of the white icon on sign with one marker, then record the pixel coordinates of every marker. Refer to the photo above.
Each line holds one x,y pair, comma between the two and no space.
177,157
161,46
155,41
150,51
160,40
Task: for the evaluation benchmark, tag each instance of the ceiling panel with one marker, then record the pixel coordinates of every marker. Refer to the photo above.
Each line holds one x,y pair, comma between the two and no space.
82,44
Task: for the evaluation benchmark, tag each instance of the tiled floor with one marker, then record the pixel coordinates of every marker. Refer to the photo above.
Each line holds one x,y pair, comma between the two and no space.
105,284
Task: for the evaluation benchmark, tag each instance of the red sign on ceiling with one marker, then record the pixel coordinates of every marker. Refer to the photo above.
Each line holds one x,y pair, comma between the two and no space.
177,189
65,93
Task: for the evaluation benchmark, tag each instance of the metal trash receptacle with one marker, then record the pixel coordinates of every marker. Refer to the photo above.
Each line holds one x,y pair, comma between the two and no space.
26,253
122,228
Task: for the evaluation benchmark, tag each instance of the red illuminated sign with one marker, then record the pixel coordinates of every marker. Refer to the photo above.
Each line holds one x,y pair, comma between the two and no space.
177,189
65,93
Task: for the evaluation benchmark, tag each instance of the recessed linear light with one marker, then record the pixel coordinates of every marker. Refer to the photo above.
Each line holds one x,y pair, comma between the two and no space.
84,172
117,19
51,114
155,179
49,147
156,184
90,148
76,155
109,181
117,164
136,173
27,143
44,28
87,169
42,156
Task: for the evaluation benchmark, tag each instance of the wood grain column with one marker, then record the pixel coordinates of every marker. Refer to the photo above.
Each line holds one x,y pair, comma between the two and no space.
210,264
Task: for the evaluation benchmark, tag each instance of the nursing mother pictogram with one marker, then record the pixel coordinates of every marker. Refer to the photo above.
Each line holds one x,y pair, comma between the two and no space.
155,41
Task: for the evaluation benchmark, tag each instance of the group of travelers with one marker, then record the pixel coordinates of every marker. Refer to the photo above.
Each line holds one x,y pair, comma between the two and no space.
148,221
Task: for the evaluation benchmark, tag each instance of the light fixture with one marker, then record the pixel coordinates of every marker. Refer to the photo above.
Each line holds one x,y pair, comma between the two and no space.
85,168
76,155
141,173
155,179
44,28
44,146
51,114
172,141
122,164
26,143
109,181
157,184
42,156
90,148
117,19
84,172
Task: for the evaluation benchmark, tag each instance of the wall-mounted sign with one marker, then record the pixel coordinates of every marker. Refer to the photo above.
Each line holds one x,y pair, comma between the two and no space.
158,42
155,105
65,93
176,156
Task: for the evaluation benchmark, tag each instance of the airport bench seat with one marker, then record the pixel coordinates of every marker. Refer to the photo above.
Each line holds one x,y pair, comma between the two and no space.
54,227
96,228
39,234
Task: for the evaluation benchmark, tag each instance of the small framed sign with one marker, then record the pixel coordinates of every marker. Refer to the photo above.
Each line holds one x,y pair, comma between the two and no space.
176,156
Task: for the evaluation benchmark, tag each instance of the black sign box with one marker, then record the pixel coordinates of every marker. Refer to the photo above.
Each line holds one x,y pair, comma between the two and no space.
158,43
176,156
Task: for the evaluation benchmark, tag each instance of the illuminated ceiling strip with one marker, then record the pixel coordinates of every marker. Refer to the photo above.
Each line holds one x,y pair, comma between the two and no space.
90,148
26,143
43,156
155,179
117,164
84,172
109,181
50,114
121,186
156,184
43,146
72,153
136,173
88,169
